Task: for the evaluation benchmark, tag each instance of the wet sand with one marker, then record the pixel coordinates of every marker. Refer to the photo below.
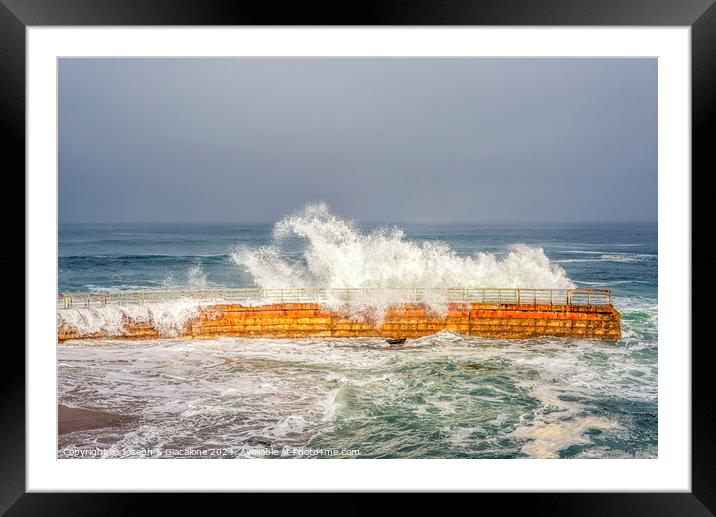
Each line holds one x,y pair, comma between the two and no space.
71,419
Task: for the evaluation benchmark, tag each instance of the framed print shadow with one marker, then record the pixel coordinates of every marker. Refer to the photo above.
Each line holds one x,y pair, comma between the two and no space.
399,234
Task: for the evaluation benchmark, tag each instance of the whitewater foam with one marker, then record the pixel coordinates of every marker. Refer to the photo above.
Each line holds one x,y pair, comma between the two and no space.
291,392
557,425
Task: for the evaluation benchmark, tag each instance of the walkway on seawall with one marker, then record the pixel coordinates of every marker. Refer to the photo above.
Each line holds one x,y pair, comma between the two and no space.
387,313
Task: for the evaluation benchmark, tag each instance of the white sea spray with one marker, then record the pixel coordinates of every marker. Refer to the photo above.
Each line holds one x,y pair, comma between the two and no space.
168,318
316,249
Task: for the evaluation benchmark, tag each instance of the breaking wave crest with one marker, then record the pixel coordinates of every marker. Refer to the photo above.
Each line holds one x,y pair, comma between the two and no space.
316,249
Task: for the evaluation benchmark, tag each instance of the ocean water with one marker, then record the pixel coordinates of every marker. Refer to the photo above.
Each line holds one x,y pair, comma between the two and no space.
441,396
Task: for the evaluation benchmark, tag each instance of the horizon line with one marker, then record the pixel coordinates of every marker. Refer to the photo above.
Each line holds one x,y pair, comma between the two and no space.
438,223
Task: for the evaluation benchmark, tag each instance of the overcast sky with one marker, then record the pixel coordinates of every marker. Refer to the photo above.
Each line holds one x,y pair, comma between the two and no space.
379,140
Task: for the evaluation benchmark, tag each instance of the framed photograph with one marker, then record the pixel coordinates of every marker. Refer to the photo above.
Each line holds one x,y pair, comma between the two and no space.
445,248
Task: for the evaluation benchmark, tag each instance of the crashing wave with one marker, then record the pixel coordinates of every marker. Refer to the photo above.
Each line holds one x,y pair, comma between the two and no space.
167,318
316,249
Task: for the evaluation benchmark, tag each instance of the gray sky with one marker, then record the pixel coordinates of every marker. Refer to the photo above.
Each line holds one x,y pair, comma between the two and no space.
379,140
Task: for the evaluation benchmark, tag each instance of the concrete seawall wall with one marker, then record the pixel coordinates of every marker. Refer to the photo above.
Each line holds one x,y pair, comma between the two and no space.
292,320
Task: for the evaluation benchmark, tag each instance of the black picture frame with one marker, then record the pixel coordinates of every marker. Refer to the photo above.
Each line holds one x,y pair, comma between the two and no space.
16,15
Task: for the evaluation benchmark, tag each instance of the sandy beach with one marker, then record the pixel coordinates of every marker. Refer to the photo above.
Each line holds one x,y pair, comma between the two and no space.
71,419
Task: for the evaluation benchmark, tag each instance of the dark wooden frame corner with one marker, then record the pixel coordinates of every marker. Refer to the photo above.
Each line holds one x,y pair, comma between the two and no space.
17,15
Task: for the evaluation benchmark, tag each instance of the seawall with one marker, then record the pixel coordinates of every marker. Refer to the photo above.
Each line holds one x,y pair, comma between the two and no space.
295,320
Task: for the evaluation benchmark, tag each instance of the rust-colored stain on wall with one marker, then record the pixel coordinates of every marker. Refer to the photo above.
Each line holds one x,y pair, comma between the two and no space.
294,320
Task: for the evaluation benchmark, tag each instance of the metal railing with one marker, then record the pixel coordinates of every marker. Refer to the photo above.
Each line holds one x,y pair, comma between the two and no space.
253,296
